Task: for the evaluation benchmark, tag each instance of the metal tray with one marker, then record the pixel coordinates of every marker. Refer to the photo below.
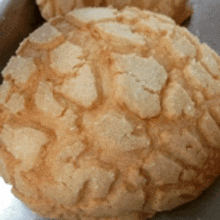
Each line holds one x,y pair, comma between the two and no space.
19,18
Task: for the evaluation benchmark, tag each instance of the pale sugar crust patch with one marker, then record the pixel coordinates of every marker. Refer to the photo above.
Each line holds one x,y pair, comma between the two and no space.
20,69
45,34
86,15
65,58
45,101
80,88
18,142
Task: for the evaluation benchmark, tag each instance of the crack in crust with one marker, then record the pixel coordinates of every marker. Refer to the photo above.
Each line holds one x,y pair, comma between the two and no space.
99,131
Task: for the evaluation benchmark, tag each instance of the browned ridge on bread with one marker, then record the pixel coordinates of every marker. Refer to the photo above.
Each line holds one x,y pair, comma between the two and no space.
109,114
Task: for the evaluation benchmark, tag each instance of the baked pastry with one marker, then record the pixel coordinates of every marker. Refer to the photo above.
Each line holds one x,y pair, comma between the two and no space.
110,115
179,10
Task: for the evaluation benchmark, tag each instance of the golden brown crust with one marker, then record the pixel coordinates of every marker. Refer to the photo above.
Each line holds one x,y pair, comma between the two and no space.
101,135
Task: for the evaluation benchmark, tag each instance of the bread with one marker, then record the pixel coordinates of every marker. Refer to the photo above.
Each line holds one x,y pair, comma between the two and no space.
179,10
110,115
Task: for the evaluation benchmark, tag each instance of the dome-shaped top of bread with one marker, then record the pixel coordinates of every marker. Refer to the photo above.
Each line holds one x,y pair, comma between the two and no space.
179,10
110,114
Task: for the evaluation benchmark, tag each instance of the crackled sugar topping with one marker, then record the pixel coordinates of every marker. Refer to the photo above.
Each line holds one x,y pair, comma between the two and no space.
111,119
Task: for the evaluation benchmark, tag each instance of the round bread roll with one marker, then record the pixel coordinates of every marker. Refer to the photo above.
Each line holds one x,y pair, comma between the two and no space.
179,10
110,115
